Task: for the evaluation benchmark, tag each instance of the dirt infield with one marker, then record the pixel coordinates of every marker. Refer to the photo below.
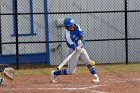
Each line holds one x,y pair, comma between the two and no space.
76,83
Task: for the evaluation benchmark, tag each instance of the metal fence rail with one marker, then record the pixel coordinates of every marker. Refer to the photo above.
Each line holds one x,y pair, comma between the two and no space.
28,30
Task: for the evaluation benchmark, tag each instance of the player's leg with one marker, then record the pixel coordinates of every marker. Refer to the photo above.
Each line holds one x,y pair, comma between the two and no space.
90,64
72,64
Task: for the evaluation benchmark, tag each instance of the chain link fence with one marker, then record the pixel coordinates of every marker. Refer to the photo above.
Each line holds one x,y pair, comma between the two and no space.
32,30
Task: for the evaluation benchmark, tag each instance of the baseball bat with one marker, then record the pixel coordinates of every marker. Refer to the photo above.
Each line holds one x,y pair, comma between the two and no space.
66,60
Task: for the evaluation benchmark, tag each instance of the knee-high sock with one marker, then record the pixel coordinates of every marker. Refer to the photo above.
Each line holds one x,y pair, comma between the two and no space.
91,69
61,72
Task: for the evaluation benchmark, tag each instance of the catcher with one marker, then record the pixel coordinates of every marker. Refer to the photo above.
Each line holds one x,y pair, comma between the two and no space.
6,72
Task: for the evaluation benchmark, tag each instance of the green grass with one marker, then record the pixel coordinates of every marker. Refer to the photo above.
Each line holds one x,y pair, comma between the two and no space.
118,68
114,68
33,71
80,69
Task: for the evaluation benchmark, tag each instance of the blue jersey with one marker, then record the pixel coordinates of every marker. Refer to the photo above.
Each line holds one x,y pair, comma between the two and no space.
71,37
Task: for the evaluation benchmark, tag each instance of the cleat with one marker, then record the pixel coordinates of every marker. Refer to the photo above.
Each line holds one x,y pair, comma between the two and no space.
52,77
96,79
2,81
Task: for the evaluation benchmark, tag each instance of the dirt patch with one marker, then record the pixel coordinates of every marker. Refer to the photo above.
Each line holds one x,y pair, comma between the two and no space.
76,83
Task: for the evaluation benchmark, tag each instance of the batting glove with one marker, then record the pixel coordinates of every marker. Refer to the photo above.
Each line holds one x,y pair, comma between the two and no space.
80,44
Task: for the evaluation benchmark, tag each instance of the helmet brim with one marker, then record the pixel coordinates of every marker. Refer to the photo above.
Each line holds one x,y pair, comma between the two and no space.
70,24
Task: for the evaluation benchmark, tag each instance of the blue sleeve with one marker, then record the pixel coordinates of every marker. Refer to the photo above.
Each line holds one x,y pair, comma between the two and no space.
69,41
80,30
81,35
73,46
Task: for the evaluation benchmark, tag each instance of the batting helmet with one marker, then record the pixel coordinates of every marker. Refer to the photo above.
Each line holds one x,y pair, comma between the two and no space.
68,22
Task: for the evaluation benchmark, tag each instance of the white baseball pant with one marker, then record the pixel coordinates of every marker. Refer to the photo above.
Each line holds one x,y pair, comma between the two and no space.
80,55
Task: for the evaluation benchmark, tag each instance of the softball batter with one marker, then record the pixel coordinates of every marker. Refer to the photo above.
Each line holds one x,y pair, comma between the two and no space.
75,41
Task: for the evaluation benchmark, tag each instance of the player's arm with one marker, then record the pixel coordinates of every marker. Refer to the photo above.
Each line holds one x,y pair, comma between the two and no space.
71,43
69,40
80,37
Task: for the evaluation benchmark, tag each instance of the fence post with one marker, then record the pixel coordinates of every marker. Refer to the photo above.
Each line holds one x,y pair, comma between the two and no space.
16,25
0,31
126,32
46,31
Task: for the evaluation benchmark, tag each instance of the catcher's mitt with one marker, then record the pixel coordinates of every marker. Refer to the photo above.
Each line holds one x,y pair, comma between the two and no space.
9,73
